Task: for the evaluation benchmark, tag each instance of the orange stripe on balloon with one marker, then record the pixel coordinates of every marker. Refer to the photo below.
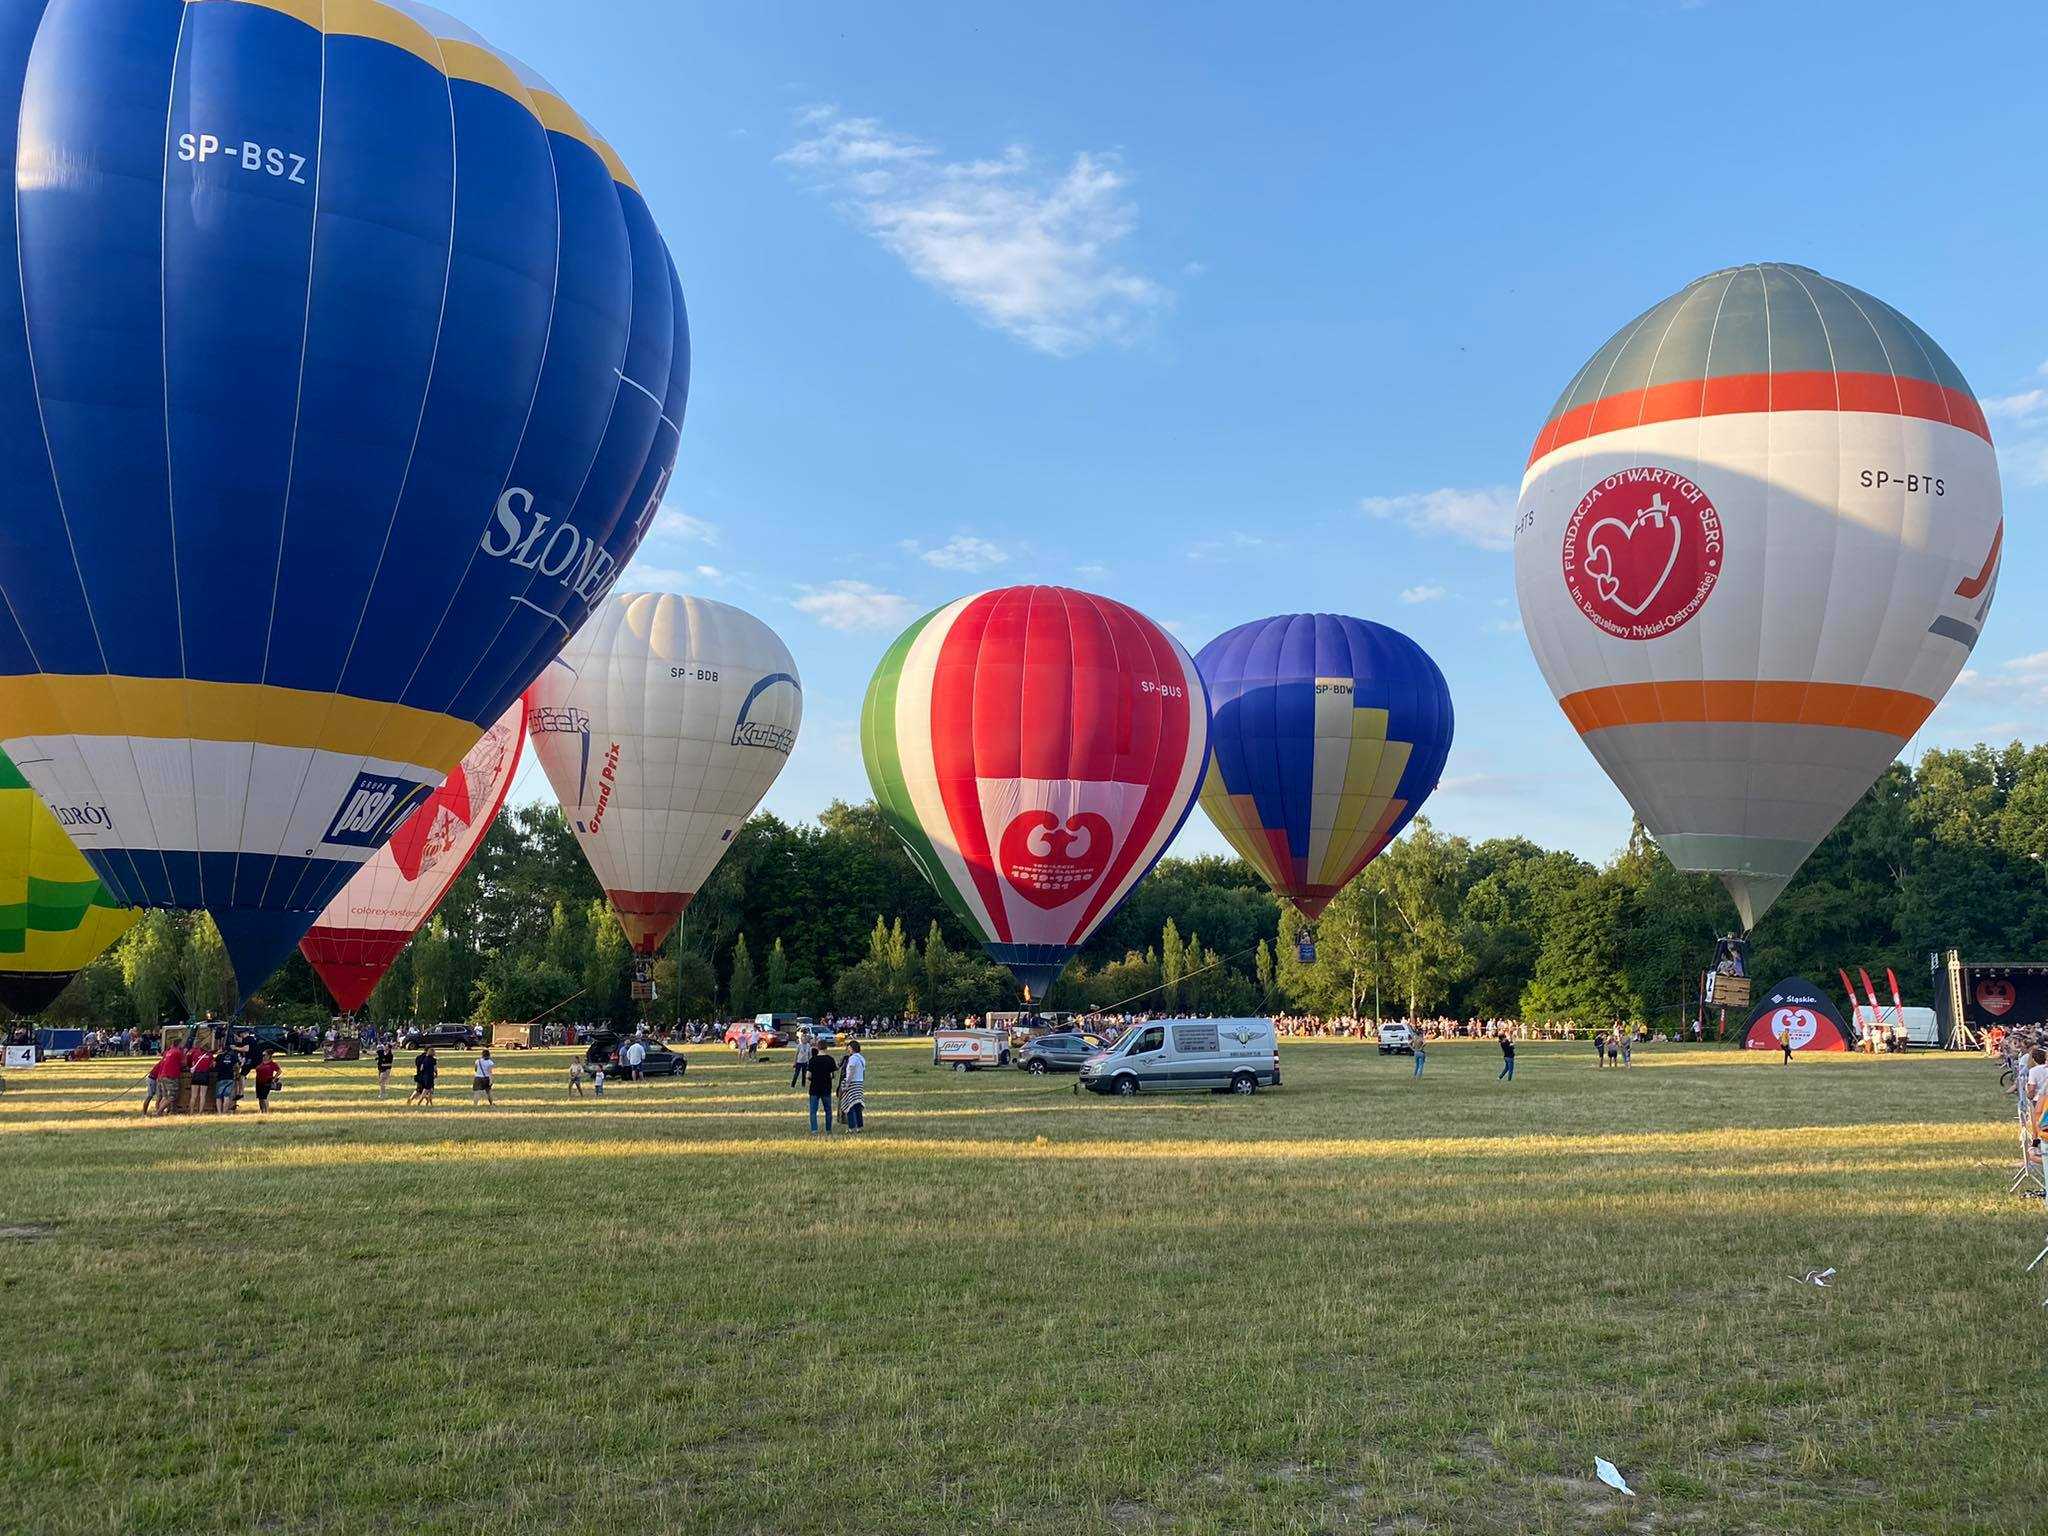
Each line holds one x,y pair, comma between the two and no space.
1744,393
1850,705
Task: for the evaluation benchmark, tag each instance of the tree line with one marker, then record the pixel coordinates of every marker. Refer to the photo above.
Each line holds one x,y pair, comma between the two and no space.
832,916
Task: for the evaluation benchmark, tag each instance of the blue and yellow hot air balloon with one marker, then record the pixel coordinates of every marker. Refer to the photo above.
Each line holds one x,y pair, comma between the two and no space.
55,916
1327,735
341,369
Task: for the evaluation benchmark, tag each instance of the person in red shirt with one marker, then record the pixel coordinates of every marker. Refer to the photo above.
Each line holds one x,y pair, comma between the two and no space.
202,1079
163,1081
267,1074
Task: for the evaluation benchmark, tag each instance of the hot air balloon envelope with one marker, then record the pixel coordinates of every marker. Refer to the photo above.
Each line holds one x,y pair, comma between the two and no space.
661,726
1036,749
1757,540
352,944
55,916
1326,735
341,367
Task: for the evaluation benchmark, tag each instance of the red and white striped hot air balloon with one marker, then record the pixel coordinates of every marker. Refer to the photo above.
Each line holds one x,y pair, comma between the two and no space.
1757,539
1036,749
374,916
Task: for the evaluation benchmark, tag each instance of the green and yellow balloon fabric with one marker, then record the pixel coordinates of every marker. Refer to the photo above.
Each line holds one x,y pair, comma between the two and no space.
55,916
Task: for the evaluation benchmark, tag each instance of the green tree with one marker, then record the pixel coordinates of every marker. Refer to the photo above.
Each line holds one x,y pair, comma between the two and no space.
607,967
742,991
1579,973
390,1001
1173,965
780,999
209,977
151,965
433,973
1419,877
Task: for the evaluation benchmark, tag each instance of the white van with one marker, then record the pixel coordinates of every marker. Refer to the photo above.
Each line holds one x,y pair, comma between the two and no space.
1222,1055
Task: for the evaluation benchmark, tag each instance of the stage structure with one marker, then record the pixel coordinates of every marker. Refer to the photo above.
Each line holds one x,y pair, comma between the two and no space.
1971,997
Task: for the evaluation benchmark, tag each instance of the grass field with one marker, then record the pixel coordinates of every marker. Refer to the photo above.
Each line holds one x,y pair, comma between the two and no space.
1359,1303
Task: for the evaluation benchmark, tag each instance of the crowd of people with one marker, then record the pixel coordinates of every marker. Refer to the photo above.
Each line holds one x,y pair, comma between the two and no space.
209,1077
1347,1027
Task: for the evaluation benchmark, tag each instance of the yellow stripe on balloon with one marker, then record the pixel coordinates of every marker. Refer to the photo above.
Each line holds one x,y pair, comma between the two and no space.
384,23
454,57
557,116
1370,779
1236,818
182,709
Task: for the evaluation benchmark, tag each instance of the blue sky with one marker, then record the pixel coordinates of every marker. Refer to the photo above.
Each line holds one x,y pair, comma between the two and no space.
1234,310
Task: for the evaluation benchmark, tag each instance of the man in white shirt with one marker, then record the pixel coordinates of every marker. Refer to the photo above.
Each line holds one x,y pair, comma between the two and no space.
636,1053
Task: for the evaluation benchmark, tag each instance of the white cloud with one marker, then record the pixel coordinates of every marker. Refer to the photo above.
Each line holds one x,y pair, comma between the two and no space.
1506,627
1481,515
2024,406
1429,592
1092,571
962,552
1027,251
853,605
671,524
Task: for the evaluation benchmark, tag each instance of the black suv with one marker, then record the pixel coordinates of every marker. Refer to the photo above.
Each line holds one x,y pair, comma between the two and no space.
446,1036
1057,1053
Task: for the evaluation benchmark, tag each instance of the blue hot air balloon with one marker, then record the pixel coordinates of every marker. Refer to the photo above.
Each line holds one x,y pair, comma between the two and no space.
341,369
1328,733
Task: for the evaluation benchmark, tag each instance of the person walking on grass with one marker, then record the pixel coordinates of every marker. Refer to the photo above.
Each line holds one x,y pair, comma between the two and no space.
597,1077
576,1076
1600,1048
1507,1056
424,1069
1785,1042
385,1056
853,1078
822,1068
1421,1053
799,1071
481,1083
1626,1043
268,1072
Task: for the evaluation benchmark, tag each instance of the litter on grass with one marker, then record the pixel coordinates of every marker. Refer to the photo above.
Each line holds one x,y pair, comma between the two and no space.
1610,1474
1820,1277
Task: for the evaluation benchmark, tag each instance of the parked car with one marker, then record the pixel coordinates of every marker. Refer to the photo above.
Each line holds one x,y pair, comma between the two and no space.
446,1036
663,1062
773,1029
1222,1055
1397,1039
1063,1052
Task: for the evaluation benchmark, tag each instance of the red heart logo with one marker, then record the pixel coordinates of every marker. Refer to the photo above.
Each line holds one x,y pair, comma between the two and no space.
1049,865
1630,561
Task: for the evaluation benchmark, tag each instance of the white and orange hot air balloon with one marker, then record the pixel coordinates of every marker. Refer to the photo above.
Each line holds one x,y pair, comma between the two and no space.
1757,539
353,943
661,725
